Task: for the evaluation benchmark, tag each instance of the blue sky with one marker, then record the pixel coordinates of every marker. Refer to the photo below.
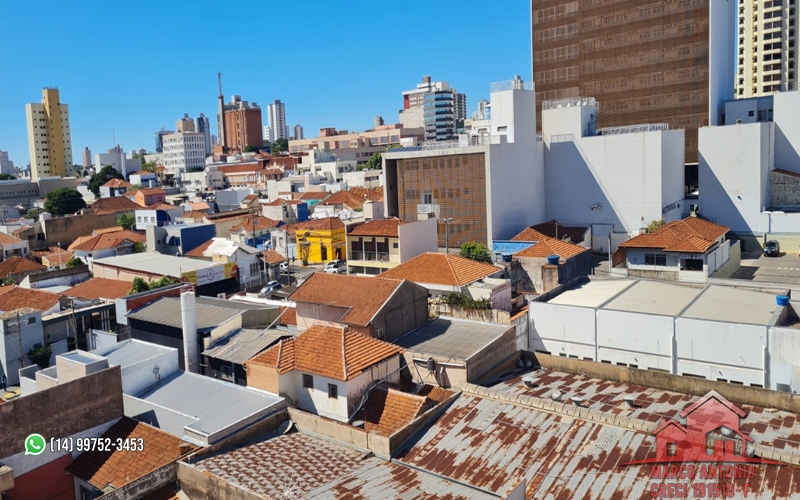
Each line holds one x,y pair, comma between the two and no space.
137,66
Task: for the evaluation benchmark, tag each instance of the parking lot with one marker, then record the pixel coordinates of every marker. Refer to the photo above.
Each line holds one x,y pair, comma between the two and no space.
782,269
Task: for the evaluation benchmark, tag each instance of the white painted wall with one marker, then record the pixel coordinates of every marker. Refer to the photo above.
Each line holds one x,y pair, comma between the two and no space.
138,376
639,339
733,174
10,330
787,125
721,57
784,354
560,329
417,238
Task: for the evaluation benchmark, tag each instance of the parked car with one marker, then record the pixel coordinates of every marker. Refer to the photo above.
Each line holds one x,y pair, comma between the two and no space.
269,288
772,248
335,266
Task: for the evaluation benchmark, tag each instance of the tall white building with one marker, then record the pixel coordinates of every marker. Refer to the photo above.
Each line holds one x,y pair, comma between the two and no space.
86,157
49,138
184,152
767,60
267,133
6,167
203,126
276,113
185,124
298,132
115,157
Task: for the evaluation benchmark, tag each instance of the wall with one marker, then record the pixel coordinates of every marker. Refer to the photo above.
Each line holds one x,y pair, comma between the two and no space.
32,333
561,329
784,357
316,400
455,373
635,261
198,484
158,416
479,364
721,57
72,408
47,481
784,190
142,486
65,230
787,123
733,173
417,238
617,344
139,376
406,309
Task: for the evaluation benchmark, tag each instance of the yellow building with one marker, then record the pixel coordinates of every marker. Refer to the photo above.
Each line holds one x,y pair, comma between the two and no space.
320,240
49,139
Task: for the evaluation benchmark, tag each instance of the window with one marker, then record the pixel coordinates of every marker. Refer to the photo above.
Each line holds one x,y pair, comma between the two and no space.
750,113
226,371
333,391
379,333
425,198
394,245
31,320
651,259
308,381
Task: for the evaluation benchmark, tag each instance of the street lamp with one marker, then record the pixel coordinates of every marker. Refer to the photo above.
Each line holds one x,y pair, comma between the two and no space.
447,222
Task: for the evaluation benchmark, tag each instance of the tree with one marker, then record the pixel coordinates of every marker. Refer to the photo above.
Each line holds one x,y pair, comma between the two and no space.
147,166
33,213
64,201
655,224
41,355
126,221
75,262
251,149
476,251
6,177
374,163
279,146
104,175
138,286
138,247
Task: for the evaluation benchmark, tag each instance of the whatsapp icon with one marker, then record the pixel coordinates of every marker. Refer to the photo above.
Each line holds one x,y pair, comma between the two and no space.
35,444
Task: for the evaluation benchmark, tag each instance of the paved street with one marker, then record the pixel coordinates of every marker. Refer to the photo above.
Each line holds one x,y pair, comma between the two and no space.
783,269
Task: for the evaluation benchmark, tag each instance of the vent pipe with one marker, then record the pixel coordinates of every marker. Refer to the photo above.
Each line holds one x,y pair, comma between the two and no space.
191,362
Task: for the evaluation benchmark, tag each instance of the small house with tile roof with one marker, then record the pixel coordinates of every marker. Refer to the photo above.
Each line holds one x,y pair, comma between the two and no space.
384,309
535,269
381,244
325,370
114,187
12,247
683,250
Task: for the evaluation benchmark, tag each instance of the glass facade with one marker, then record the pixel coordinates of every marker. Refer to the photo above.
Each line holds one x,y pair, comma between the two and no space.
439,116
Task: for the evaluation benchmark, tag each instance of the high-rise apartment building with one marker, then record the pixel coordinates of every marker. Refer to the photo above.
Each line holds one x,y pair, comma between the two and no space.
644,62
160,139
276,112
86,157
298,133
243,124
184,152
203,126
434,106
767,59
267,133
185,124
49,136
6,166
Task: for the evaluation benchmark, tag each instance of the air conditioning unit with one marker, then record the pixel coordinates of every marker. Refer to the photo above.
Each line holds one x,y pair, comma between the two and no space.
222,296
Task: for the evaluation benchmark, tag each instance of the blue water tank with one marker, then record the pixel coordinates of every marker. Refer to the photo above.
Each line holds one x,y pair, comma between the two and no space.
506,257
553,260
782,300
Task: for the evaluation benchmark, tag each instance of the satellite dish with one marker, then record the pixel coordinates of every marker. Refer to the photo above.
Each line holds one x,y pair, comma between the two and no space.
285,427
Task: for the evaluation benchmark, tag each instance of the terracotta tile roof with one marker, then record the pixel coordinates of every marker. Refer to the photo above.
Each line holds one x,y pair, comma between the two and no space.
58,257
99,288
117,183
289,316
436,394
6,239
114,205
271,257
369,194
363,296
383,227
239,168
555,229
118,468
261,223
327,351
104,230
344,198
199,251
199,206
151,191
551,246
441,269
47,251
280,201
162,206
15,265
16,297
314,195
79,241
691,235
529,234
786,172
250,197
326,224
143,172
109,240
387,410
195,214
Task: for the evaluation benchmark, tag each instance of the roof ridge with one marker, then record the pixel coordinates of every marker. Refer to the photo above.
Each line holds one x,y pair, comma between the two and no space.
450,264
344,351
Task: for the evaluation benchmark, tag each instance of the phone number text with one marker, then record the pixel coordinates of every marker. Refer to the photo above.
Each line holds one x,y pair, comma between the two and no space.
71,444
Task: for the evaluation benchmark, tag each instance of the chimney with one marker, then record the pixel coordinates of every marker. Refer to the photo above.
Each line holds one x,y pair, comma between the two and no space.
184,448
191,362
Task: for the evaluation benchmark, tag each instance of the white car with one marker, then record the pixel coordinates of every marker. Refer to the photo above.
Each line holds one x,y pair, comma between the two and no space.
269,288
335,267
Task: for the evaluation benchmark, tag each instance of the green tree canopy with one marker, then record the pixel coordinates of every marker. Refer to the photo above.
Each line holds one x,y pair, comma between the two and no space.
6,177
104,175
147,166
74,262
251,149
139,285
655,224
375,162
126,221
40,355
139,247
64,201
279,146
33,213
476,251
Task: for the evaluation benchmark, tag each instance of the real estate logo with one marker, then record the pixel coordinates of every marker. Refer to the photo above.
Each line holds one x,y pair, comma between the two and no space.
699,458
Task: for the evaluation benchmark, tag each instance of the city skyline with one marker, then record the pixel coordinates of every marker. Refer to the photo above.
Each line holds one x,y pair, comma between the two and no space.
158,94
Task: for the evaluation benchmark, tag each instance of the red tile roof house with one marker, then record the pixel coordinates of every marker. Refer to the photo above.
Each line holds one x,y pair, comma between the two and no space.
532,273
108,245
683,250
325,370
385,309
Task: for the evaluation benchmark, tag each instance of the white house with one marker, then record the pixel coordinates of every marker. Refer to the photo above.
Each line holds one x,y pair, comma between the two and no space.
248,259
11,247
684,250
108,245
144,178
158,215
325,370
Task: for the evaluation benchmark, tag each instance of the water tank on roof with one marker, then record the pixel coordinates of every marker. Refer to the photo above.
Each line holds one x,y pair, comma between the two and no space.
553,260
782,300
505,256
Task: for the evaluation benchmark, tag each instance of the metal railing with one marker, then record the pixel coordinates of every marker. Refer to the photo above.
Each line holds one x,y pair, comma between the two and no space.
633,129
368,255
570,102
515,84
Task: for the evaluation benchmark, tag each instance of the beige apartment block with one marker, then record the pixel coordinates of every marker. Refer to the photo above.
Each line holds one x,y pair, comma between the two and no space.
49,136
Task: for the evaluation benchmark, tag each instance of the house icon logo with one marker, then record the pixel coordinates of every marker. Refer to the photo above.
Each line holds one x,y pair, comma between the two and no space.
711,433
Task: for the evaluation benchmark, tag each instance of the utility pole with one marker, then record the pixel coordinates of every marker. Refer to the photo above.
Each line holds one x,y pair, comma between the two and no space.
447,222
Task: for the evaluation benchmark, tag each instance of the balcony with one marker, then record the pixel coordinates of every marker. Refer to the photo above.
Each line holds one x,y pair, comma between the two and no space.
369,256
